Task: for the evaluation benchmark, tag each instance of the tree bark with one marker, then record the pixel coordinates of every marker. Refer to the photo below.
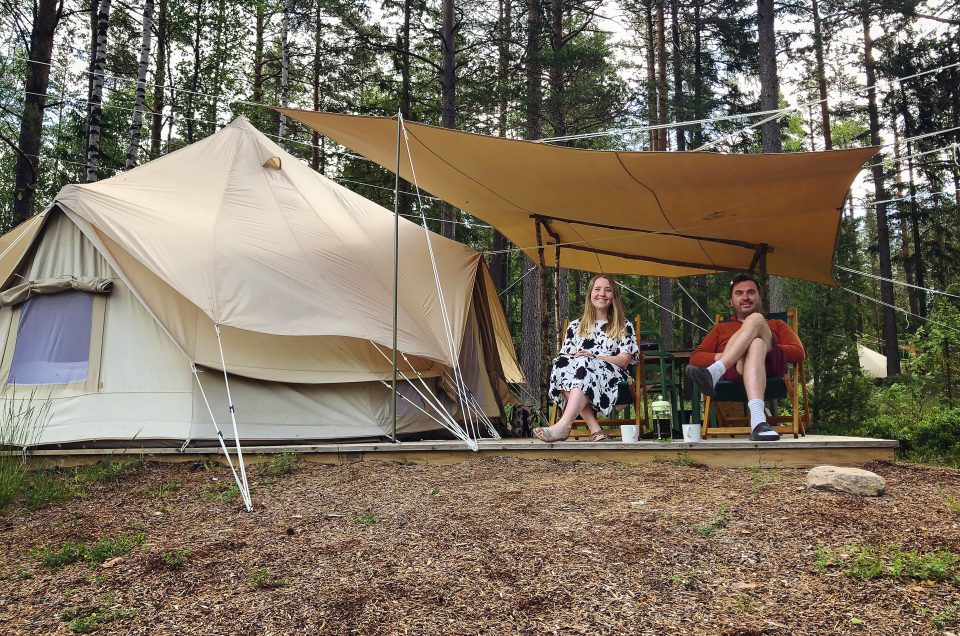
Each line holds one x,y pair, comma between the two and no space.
662,115
498,260
904,226
259,26
770,131
156,121
890,344
534,319
284,65
195,76
137,123
917,260
652,115
448,98
44,27
317,157
821,78
96,97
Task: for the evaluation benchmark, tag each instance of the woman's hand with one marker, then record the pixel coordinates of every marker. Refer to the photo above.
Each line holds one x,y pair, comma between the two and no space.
584,352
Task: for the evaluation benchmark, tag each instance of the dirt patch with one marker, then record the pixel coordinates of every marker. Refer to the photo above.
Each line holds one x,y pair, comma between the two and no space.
486,547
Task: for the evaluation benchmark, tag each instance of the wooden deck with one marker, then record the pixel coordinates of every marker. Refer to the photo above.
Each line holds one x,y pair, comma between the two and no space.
812,450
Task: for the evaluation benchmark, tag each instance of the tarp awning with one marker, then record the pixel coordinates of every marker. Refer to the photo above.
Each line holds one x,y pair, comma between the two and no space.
647,213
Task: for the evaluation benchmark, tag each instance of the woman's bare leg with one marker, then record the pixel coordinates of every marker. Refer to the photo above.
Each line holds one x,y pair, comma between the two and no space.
576,402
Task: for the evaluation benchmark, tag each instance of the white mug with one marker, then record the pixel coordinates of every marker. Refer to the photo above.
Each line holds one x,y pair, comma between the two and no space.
691,432
629,433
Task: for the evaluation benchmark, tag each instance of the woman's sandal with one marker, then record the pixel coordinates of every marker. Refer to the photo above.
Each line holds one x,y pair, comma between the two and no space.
542,434
599,436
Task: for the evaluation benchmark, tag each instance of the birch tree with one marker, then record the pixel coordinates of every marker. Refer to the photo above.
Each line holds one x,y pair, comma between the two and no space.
137,121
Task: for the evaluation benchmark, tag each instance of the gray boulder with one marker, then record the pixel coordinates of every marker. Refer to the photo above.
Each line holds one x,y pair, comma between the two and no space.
855,481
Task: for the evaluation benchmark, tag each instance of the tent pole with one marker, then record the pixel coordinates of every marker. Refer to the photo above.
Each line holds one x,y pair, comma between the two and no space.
396,268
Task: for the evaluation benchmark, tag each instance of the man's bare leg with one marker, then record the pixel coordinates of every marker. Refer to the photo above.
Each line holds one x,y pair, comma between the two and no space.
753,330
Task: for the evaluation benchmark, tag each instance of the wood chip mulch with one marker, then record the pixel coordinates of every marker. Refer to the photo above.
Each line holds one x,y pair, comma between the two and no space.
492,546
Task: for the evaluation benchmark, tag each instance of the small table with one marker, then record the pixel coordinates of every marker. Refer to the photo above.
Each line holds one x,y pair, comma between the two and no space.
682,359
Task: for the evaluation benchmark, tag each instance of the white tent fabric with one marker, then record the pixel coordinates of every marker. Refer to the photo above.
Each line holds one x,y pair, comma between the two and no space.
297,269
872,363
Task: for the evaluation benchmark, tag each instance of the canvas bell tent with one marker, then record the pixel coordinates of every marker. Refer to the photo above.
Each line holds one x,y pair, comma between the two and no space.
233,254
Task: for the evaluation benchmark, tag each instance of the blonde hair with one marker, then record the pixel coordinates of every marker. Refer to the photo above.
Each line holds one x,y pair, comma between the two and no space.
615,327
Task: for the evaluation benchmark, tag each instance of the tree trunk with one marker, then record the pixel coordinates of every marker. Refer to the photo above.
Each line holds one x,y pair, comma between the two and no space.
821,78
137,122
678,95
448,98
195,76
904,225
284,65
699,109
93,9
652,115
96,97
317,157
769,84
662,115
259,26
890,343
44,26
558,89
917,261
156,122
498,260
534,315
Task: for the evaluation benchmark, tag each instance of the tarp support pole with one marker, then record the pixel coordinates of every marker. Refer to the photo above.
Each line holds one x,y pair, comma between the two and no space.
396,269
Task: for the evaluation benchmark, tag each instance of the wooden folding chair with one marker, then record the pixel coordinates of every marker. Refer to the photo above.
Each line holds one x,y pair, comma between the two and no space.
792,386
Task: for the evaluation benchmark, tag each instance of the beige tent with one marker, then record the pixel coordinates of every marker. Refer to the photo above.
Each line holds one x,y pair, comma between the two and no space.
647,213
113,293
873,364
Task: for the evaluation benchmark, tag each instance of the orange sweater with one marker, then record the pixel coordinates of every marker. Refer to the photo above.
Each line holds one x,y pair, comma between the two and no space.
716,341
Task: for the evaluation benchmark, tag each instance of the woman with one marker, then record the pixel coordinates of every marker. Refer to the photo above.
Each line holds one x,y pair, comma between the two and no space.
592,362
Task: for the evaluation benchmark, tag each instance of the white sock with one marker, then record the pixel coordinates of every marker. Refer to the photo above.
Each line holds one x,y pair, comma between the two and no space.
717,369
757,414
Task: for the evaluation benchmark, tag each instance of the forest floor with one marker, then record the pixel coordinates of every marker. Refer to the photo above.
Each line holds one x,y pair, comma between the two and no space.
492,546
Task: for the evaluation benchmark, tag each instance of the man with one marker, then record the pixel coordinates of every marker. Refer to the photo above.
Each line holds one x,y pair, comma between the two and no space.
746,349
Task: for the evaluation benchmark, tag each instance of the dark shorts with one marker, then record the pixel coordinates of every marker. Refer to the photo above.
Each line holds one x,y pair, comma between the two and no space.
775,363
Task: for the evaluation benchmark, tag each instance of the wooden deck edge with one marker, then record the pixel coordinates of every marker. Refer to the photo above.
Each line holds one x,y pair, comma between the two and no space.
792,454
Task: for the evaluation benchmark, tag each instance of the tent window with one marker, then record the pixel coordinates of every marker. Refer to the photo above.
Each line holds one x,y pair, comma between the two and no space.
53,339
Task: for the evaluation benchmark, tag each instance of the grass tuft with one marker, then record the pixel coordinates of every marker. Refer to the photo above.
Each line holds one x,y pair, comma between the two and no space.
719,521
890,561
264,579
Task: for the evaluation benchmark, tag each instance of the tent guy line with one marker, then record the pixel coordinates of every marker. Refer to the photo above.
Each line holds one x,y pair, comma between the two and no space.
897,282
900,309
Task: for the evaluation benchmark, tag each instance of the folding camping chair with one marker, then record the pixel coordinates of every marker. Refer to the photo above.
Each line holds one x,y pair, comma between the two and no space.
792,386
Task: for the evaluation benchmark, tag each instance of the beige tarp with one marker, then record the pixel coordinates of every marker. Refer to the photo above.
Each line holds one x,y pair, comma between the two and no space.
647,213
872,363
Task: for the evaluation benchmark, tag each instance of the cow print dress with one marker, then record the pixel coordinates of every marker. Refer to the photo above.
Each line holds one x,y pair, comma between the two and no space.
598,379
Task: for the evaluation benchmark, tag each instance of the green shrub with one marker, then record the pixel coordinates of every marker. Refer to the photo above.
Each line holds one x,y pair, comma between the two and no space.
262,578
927,433
279,464
45,487
175,559
107,470
73,551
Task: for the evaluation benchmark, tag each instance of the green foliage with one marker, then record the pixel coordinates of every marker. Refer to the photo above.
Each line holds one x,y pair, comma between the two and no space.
107,470
262,578
72,551
175,559
719,520
279,464
364,518
87,619
47,487
927,433
69,552
222,491
22,422
168,487
890,561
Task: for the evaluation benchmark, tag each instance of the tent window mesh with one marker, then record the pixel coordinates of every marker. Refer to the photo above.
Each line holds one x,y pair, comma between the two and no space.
53,339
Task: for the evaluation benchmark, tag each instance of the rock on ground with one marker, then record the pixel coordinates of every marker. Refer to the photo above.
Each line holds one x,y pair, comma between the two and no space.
855,481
